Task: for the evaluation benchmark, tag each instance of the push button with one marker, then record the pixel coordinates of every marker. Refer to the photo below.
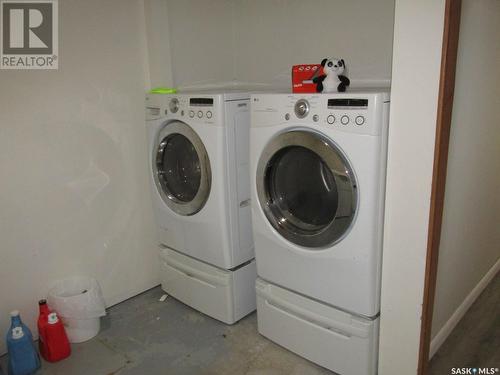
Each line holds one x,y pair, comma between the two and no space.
330,119
209,114
360,120
191,114
200,114
344,120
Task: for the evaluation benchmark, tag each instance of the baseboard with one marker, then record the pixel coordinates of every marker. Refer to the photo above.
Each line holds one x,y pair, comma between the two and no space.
459,313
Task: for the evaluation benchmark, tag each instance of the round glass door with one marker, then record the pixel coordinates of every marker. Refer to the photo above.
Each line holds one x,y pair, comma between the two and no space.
181,168
307,188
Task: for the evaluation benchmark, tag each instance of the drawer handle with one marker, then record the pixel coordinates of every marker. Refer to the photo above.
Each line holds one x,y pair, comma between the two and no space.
344,329
196,274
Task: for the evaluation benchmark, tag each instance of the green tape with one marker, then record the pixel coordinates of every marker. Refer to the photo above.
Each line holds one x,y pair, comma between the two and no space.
163,90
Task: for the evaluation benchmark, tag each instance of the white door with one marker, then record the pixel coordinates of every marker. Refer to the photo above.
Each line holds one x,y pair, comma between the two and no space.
307,189
181,168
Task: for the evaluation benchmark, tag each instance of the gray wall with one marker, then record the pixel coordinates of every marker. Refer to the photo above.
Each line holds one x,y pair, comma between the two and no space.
470,239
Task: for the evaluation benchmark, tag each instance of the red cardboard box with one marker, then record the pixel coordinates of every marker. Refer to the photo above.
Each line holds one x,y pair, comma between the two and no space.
302,77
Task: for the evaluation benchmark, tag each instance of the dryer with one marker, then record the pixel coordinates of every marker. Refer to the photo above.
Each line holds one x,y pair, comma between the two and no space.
199,168
318,166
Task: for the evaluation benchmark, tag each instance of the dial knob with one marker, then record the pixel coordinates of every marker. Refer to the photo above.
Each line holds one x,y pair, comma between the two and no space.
174,105
301,108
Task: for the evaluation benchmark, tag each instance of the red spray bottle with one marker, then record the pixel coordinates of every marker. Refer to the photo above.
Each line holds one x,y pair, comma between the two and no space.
53,343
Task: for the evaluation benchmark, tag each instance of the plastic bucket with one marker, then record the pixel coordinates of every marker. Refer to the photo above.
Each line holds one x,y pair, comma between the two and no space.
80,304
80,330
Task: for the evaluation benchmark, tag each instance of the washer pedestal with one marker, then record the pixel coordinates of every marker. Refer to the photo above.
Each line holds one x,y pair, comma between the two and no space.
341,342
226,295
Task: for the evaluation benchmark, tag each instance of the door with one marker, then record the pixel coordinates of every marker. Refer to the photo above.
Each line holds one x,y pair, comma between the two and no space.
307,189
181,169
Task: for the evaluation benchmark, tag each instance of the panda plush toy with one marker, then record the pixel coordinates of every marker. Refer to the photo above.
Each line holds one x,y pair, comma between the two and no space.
332,79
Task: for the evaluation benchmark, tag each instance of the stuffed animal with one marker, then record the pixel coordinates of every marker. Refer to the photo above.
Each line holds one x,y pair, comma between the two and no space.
332,79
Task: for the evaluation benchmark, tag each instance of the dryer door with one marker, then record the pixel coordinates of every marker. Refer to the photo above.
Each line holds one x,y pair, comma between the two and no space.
307,189
181,168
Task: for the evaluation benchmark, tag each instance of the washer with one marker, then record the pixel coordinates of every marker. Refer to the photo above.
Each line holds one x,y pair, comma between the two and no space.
199,168
318,165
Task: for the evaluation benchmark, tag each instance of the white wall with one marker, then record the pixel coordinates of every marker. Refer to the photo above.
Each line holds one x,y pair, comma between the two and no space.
201,41
74,195
470,237
158,43
412,131
271,36
257,41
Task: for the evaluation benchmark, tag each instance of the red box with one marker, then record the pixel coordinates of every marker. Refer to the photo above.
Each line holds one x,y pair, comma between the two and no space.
302,77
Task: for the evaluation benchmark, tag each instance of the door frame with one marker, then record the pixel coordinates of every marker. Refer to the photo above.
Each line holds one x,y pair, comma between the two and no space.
443,127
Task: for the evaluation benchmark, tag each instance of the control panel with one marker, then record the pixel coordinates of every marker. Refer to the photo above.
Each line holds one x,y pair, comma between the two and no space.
343,112
199,109
346,112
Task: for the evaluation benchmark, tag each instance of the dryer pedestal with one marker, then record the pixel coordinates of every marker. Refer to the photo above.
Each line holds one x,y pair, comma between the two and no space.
226,295
344,343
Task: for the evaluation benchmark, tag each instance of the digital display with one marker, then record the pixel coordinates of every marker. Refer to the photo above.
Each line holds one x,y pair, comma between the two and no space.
201,102
348,102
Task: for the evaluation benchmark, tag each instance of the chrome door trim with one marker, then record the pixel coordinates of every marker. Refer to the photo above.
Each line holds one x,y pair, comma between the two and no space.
344,177
201,197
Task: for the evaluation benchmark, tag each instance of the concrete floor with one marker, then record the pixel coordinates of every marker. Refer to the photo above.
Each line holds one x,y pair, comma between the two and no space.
143,336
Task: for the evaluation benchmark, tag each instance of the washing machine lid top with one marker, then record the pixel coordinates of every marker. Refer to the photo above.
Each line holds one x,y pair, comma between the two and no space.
181,168
307,188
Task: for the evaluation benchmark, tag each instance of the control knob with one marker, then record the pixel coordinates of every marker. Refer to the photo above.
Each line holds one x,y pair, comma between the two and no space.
301,108
174,105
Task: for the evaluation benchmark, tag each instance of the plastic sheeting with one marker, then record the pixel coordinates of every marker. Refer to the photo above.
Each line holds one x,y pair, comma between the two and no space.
77,297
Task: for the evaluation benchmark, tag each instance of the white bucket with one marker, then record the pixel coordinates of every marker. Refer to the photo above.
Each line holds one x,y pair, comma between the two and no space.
80,304
80,330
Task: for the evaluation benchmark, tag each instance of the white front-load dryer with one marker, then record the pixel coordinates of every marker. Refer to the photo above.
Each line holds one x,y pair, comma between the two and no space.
318,168
199,168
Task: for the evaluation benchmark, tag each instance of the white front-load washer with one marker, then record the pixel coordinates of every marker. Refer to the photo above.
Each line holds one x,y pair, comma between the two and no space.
199,167
318,167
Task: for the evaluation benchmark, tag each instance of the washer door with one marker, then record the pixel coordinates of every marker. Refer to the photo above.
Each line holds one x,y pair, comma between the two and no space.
181,168
307,188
